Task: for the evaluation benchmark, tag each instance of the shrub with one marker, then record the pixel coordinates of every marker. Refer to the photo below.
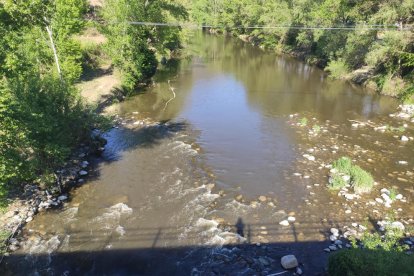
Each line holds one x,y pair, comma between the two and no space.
370,262
337,69
41,119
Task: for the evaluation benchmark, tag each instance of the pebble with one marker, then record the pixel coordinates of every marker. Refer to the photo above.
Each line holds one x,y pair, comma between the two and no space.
327,250
29,219
348,211
262,198
402,162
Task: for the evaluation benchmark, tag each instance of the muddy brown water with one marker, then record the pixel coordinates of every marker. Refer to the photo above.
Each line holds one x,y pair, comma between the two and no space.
163,191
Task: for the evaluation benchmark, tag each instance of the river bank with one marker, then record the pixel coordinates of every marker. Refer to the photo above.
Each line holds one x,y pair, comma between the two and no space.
365,76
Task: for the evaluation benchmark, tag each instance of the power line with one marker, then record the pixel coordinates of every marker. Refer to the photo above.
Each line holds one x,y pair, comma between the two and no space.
348,28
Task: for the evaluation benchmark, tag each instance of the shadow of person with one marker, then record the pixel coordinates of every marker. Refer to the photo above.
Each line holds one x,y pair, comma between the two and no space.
240,227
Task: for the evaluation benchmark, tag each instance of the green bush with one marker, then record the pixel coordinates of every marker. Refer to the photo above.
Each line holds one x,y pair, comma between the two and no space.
337,69
41,120
355,262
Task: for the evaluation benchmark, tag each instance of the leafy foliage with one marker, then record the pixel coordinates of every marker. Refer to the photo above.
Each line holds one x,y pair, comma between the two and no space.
132,47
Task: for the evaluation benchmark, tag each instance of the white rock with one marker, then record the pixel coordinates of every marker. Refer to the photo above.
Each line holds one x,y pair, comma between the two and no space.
289,262
402,162
84,164
399,196
386,191
386,198
83,173
309,157
379,200
291,219
335,232
284,223
404,138
299,271
62,198
398,225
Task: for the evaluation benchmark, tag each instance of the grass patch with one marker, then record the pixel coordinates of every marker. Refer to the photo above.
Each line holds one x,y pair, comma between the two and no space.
393,194
303,121
4,235
337,182
343,165
316,128
360,180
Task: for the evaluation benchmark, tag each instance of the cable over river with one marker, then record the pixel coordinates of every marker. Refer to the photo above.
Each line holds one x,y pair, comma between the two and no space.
228,176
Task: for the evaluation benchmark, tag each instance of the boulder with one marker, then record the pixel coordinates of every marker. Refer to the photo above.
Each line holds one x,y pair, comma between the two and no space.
289,262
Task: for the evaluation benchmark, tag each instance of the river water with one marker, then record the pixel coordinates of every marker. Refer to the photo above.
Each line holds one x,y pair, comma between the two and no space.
190,176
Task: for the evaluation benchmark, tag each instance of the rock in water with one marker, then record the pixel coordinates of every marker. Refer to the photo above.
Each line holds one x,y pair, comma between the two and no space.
289,262
284,223
404,138
262,198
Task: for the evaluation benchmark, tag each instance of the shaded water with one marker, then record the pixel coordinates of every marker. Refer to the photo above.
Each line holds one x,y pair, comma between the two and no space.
228,135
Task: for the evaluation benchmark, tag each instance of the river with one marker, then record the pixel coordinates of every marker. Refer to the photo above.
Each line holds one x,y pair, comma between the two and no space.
221,162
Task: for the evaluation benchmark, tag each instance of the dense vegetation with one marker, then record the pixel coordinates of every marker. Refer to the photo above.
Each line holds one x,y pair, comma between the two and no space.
42,116
374,254
131,47
386,56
